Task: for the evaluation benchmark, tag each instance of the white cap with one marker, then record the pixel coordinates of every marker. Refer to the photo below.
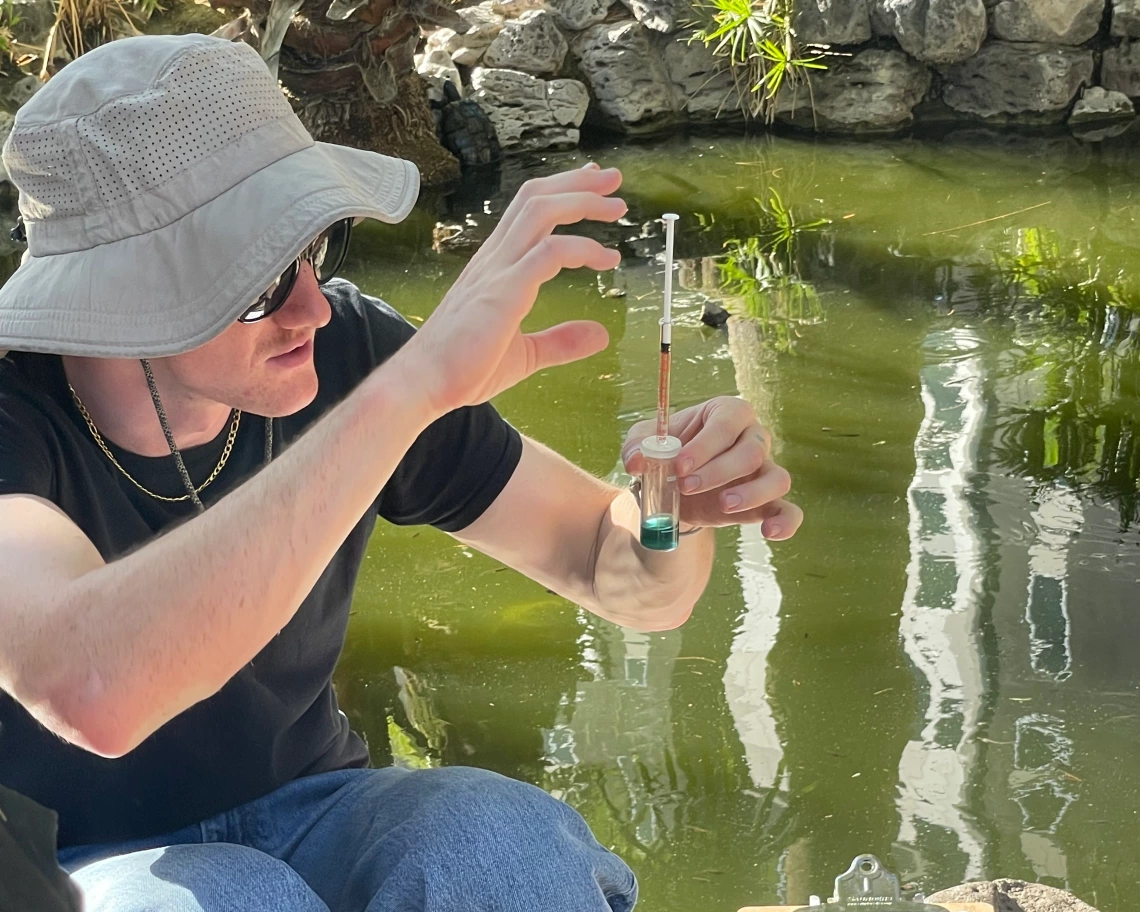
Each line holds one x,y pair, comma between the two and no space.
660,448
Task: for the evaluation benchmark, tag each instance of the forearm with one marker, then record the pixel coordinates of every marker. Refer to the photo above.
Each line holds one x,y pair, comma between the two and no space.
149,635
640,588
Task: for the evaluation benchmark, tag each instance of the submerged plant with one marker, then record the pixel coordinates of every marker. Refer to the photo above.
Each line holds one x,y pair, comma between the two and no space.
756,39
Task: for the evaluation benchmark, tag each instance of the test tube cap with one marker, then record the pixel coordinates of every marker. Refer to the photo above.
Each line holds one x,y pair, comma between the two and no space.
660,448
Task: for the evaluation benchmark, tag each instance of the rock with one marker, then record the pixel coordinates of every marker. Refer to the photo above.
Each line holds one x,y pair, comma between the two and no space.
702,88
1017,82
626,78
512,9
936,31
1120,70
436,67
530,113
468,49
579,14
532,43
831,21
1126,18
659,15
1013,896
23,89
34,19
1098,105
1049,21
873,92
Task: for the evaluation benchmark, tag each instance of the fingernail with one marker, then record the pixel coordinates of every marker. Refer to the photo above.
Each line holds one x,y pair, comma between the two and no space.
731,501
685,466
774,531
594,165
690,484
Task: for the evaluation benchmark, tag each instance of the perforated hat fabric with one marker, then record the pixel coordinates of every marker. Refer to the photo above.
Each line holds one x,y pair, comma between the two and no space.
164,184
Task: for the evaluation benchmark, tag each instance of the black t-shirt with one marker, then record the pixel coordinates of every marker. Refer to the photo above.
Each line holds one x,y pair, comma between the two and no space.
276,719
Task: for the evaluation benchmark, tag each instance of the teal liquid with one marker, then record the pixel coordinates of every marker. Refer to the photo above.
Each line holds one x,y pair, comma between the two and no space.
659,533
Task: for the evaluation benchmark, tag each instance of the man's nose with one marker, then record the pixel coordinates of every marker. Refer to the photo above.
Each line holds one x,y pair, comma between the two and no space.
306,307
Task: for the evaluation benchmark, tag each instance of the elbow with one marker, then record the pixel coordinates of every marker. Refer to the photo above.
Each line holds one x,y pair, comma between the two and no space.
82,714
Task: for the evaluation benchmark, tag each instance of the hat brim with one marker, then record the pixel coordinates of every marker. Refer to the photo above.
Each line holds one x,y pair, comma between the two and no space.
171,290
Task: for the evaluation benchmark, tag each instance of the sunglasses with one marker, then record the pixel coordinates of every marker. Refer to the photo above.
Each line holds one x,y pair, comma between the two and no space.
326,255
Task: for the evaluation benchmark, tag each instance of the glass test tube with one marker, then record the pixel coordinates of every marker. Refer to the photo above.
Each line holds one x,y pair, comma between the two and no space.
660,494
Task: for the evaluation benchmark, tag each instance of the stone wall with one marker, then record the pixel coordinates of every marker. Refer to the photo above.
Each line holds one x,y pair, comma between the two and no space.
545,69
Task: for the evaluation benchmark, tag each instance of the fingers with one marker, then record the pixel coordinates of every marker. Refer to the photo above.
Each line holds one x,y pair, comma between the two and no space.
601,182
540,215
557,252
743,459
725,421
771,483
562,344
779,520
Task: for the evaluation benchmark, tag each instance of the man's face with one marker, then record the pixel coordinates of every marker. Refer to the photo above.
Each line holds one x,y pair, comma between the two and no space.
266,367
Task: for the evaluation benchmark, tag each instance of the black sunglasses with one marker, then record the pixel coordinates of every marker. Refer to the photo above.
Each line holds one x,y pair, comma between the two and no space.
326,255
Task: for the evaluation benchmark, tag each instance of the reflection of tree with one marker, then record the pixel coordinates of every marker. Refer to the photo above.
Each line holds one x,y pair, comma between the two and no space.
1072,325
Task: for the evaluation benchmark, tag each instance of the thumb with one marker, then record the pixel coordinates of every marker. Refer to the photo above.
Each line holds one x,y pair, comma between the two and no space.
565,343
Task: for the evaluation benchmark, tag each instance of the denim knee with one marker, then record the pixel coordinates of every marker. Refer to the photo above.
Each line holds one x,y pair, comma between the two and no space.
201,877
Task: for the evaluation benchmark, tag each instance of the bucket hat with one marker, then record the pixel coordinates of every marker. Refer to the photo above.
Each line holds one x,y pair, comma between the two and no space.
165,182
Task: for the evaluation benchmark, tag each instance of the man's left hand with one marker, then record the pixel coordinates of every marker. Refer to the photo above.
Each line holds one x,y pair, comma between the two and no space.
724,470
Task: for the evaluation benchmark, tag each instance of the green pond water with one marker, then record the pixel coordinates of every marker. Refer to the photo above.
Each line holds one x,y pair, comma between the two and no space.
941,668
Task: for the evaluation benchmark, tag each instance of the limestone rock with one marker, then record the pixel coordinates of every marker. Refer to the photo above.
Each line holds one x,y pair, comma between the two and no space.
23,89
530,113
936,31
532,43
1049,21
512,9
579,14
873,92
1013,896
34,19
1098,105
1010,82
1120,70
631,90
659,15
831,21
702,88
1126,18
484,26
436,68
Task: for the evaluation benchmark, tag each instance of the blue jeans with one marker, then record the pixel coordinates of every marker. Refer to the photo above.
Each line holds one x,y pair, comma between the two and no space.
373,840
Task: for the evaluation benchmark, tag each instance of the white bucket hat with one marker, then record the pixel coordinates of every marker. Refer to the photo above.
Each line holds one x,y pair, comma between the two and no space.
165,182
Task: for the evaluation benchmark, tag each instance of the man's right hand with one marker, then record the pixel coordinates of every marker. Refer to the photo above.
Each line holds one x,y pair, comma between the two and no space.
472,348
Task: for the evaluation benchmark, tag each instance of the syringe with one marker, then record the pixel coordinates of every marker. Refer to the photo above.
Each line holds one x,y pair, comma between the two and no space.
670,220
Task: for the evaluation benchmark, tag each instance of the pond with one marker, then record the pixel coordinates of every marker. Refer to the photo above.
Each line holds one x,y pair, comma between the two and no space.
940,668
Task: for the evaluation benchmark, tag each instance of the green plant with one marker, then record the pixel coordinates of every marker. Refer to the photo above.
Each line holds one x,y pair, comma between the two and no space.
756,39
9,19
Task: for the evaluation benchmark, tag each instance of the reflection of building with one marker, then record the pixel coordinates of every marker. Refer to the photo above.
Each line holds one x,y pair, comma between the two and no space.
746,672
940,613
1058,520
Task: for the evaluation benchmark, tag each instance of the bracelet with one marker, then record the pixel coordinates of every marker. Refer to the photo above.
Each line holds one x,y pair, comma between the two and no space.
635,490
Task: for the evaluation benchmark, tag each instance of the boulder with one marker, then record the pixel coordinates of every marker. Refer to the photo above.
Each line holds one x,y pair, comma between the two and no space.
532,43
658,15
1098,105
436,68
576,15
935,31
530,113
831,21
1126,18
1120,69
1013,896
702,87
21,91
1048,21
512,9
34,19
484,26
873,92
627,79
1007,82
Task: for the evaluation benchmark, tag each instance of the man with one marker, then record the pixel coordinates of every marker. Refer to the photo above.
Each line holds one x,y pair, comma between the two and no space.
175,573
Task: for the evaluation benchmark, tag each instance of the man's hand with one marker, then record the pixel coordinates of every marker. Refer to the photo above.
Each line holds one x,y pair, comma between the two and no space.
471,348
723,469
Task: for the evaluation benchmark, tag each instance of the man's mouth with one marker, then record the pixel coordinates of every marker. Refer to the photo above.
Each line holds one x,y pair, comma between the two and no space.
295,356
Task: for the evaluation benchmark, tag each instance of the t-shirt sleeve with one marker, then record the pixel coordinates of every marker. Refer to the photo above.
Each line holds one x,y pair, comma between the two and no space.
459,464
25,457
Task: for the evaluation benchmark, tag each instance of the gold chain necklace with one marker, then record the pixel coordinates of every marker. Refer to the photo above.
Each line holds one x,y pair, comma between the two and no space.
107,452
